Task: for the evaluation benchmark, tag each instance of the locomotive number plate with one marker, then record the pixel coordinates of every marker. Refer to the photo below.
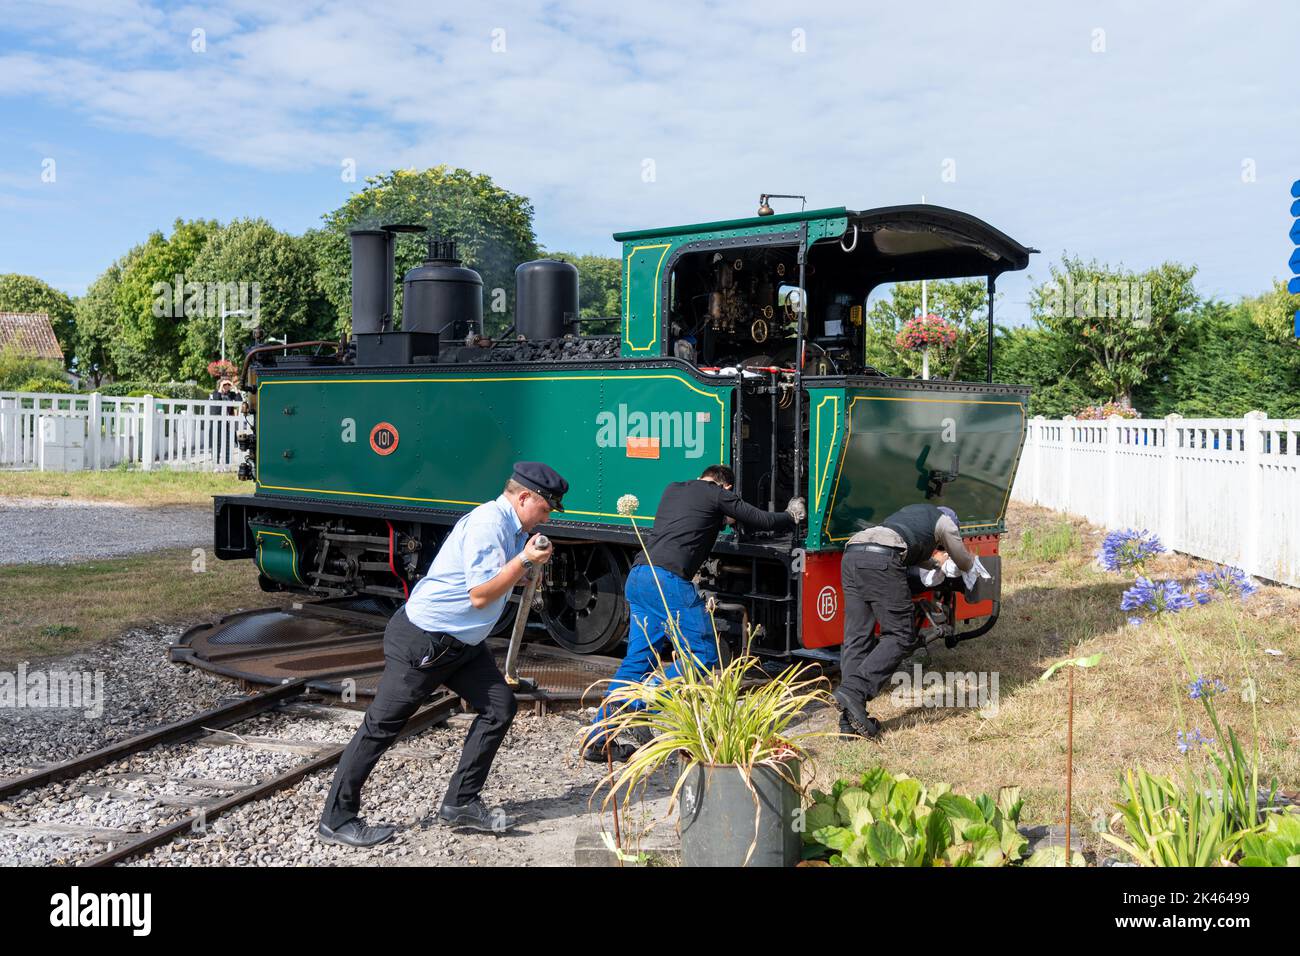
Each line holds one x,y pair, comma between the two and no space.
383,439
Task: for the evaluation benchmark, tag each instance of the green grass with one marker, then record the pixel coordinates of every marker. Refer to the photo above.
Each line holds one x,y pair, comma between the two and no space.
1045,545
1124,713
142,488
49,610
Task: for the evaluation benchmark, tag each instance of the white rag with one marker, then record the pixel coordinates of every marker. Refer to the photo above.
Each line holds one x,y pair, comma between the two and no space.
933,576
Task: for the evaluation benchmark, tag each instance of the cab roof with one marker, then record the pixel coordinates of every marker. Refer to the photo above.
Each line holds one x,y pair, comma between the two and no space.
955,242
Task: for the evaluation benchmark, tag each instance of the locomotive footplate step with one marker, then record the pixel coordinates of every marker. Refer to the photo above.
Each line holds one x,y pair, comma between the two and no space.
337,645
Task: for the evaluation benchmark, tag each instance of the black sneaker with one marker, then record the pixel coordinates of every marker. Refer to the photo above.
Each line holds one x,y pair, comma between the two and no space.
848,730
476,816
641,735
355,833
620,753
853,713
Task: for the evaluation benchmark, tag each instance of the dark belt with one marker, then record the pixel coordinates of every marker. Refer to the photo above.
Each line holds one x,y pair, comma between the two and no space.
443,641
438,639
881,548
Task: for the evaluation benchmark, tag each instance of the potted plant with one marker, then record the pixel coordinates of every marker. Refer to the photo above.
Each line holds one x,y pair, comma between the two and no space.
738,783
729,733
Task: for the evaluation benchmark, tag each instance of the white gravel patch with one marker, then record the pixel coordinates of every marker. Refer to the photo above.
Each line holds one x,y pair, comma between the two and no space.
63,531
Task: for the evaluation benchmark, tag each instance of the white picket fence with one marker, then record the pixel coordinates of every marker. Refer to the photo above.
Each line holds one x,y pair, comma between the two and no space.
147,432
1224,489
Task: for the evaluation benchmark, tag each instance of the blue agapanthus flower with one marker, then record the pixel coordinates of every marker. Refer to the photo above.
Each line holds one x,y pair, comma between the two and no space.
1223,582
1192,739
1204,688
1155,597
1134,622
1126,549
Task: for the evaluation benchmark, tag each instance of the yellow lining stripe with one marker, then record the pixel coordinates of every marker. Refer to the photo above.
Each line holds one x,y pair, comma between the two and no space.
819,478
654,311
261,564
848,434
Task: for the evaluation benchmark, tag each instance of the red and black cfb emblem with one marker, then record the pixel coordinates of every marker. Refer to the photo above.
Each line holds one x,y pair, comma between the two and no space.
383,439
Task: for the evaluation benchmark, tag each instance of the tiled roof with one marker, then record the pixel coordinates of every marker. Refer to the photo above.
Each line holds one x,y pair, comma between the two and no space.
31,332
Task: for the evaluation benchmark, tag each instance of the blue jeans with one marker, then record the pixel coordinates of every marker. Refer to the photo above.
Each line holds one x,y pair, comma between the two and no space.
648,634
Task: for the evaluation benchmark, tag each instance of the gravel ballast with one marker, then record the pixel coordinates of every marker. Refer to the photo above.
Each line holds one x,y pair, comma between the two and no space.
537,777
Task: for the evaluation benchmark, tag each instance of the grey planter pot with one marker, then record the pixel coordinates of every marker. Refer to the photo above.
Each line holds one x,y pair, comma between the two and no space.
717,817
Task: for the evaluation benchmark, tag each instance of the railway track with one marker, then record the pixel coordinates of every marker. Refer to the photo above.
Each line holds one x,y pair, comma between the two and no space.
336,646
209,726
327,650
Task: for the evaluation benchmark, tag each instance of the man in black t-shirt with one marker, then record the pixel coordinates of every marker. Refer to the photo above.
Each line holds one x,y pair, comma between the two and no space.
687,522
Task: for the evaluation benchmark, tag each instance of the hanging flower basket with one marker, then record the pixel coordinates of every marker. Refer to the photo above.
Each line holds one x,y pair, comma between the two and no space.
222,368
926,331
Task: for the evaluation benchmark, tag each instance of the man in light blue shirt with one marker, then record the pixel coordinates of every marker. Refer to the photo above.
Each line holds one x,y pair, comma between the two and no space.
436,640
474,552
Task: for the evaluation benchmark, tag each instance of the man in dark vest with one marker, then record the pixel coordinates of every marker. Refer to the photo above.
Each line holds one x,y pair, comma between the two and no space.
874,576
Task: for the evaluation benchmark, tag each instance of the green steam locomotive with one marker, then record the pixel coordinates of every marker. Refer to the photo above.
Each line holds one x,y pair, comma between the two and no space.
741,342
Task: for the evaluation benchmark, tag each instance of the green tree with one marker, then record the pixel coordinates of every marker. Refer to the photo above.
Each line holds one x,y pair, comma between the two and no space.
600,286
251,265
99,322
1274,313
20,293
151,300
1048,364
493,229
961,303
1123,322
1224,366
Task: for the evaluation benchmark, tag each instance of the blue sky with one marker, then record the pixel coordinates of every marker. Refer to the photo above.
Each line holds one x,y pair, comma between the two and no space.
1130,133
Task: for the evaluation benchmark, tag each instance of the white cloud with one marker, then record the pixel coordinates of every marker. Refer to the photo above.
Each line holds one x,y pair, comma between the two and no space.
1130,154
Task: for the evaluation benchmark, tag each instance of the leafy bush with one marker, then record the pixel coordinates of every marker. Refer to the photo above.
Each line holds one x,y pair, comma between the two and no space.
887,820
17,368
44,384
1278,844
182,390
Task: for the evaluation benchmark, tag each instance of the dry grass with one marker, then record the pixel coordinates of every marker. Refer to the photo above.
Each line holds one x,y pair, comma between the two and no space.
1059,604
142,488
49,610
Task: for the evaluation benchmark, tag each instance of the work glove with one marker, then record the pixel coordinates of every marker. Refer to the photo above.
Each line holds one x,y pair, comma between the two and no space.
796,509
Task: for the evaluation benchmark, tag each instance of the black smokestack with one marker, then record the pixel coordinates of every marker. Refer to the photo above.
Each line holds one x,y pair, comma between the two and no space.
372,280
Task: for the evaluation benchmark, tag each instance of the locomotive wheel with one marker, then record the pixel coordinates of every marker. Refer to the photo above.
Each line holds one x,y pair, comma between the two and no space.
590,615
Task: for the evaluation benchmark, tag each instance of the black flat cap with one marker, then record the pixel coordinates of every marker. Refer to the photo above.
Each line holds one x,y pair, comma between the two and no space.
543,479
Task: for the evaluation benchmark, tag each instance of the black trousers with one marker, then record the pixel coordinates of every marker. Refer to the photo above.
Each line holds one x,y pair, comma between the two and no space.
469,671
875,589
